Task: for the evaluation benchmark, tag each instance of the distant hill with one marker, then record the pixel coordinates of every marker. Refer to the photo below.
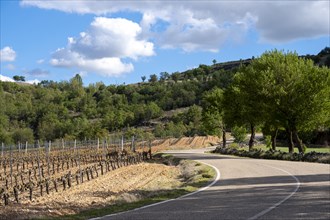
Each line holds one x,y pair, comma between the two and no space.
164,105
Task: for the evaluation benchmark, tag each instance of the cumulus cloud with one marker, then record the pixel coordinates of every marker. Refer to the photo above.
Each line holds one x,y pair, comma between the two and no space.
199,25
103,46
7,54
6,78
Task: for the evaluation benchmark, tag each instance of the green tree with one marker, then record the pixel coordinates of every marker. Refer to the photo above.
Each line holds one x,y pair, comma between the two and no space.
23,135
175,76
164,76
19,78
242,101
293,91
153,78
143,78
239,134
213,113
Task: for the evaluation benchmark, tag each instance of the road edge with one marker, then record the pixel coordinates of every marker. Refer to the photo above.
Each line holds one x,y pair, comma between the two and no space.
217,178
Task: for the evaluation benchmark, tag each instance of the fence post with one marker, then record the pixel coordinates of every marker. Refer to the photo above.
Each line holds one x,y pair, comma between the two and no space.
133,147
39,162
47,155
11,166
98,144
122,142
2,146
26,147
103,148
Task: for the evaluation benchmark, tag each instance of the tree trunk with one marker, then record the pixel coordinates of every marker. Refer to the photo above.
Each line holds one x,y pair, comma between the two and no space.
224,139
273,138
298,141
290,141
252,138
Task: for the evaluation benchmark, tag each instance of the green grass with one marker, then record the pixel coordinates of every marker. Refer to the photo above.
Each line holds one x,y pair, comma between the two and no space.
285,149
202,174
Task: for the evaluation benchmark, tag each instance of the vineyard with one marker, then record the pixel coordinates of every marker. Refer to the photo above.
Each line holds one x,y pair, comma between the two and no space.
31,171
28,172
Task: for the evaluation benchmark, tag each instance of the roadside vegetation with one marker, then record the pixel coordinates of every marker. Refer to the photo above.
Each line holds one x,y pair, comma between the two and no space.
281,94
321,155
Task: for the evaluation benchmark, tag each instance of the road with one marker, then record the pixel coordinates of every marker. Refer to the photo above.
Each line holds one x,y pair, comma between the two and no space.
248,189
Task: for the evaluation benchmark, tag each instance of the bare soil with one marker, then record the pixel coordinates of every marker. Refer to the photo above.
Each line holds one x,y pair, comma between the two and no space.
126,184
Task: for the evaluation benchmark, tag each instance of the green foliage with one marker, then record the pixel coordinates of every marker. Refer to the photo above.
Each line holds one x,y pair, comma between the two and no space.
19,78
268,141
276,91
213,112
23,135
239,134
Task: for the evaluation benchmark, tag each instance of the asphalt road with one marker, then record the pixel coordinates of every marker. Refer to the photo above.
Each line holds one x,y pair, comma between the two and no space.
248,189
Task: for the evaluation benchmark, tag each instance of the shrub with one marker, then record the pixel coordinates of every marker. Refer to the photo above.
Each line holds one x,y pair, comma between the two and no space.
239,134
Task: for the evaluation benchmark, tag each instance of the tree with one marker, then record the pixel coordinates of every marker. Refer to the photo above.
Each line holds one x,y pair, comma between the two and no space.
239,134
214,61
289,90
143,78
164,76
175,76
19,78
153,78
213,113
242,101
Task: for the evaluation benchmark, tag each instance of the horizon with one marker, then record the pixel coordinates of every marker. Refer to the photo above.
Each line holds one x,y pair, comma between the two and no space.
119,42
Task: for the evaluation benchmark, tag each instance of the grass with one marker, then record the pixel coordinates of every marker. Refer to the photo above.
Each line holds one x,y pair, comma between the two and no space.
195,174
285,149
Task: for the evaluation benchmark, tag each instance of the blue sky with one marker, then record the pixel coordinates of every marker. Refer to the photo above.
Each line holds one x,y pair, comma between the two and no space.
119,41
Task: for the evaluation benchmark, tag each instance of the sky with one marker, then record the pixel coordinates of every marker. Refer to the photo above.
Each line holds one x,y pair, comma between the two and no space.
118,42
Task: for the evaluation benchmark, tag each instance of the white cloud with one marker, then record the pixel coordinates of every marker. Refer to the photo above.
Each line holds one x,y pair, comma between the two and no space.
103,46
200,25
6,78
7,54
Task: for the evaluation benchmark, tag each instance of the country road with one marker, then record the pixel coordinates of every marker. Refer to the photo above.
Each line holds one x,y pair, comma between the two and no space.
248,189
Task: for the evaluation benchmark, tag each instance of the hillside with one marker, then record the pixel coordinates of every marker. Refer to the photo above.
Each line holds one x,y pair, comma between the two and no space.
166,105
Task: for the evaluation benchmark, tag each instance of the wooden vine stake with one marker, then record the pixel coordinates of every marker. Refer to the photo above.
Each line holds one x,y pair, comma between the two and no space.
11,166
38,157
2,147
122,142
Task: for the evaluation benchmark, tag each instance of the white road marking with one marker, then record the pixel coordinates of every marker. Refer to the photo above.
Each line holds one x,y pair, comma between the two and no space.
181,197
280,202
217,178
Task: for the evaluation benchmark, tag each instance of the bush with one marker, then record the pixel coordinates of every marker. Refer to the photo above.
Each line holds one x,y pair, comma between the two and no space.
276,155
239,134
268,141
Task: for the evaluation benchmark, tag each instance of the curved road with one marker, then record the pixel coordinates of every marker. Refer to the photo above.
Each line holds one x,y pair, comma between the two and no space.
248,189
